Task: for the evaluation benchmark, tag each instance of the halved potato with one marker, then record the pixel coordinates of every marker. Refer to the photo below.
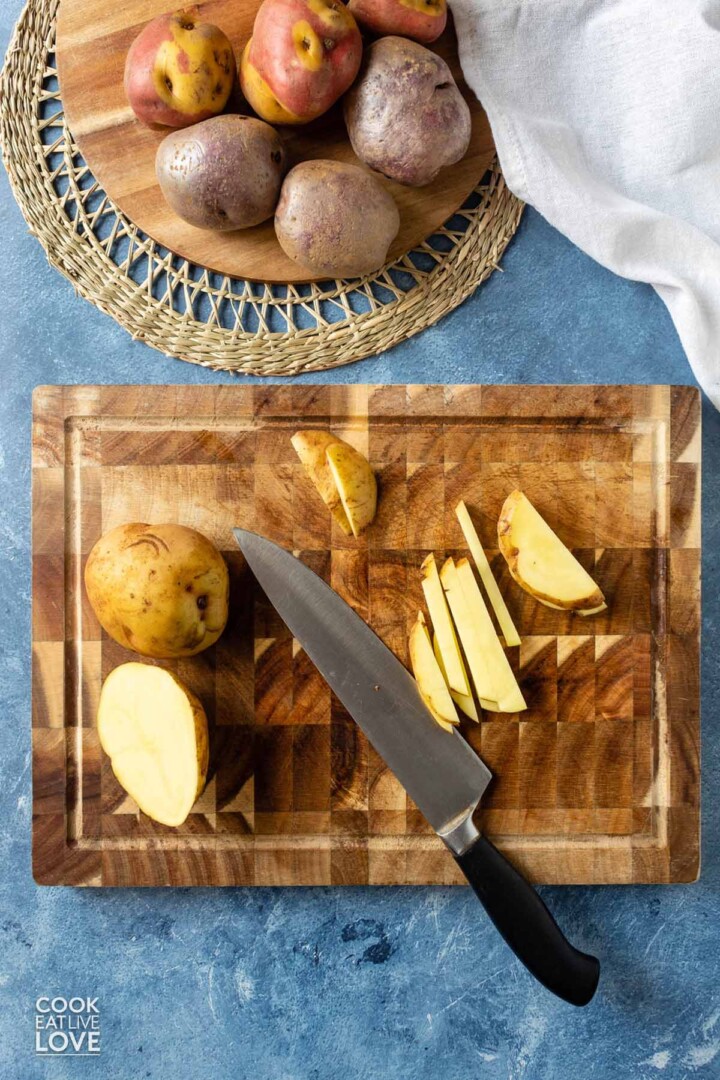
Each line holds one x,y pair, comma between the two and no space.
310,447
445,636
464,702
540,563
429,677
154,730
355,482
507,626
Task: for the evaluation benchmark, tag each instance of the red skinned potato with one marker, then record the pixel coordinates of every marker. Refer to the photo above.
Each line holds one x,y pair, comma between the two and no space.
302,56
179,71
421,20
405,116
222,174
335,219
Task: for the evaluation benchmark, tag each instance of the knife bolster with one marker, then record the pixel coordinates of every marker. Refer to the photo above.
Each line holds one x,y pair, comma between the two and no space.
460,834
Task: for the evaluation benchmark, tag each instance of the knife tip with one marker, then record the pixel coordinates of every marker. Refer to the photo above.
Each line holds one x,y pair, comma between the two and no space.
249,542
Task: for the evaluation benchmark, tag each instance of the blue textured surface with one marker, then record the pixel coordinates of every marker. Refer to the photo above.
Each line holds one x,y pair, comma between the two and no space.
366,983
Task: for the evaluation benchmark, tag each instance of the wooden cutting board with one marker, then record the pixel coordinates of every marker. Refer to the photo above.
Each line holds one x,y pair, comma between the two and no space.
92,43
597,782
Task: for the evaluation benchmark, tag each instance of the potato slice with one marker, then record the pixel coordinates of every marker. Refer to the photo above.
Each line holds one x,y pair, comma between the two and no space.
310,446
429,677
464,702
494,680
540,562
462,619
504,685
507,626
355,482
154,730
452,661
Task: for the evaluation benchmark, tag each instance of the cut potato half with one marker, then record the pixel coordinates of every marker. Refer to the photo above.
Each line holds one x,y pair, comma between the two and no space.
429,677
540,563
310,447
507,626
464,702
445,636
154,730
355,482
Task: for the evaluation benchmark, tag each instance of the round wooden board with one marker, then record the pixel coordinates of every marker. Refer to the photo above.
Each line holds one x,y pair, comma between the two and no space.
92,42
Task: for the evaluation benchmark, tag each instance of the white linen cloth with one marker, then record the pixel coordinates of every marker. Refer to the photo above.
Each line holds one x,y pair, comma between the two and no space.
606,117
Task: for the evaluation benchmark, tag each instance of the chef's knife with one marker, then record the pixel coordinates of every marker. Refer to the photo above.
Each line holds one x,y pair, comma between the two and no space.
439,770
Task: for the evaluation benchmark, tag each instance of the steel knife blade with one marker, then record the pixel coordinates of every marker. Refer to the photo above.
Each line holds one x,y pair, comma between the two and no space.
440,772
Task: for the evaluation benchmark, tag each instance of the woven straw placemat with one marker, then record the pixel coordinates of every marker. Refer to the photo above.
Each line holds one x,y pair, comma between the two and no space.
189,312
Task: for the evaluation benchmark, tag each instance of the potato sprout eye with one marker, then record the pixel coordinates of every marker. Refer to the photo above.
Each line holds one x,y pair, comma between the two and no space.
168,83
202,602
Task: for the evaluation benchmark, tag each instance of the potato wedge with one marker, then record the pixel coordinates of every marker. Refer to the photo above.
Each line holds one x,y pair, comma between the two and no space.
540,563
355,482
464,702
310,446
431,684
154,730
495,683
453,665
504,686
507,626
462,618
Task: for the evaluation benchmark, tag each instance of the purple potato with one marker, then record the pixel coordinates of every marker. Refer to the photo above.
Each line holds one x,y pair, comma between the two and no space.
222,174
335,219
405,116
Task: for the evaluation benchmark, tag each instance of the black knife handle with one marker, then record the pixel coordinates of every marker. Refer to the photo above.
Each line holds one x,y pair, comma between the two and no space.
527,926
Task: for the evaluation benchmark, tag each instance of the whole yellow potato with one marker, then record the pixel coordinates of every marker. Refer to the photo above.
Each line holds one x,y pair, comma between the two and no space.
160,590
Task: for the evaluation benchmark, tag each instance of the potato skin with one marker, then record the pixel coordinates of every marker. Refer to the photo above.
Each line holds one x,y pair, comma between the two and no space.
160,590
405,116
335,219
179,71
302,56
421,20
222,174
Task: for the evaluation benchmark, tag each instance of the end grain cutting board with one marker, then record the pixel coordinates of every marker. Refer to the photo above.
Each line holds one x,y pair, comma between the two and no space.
92,43
597,782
